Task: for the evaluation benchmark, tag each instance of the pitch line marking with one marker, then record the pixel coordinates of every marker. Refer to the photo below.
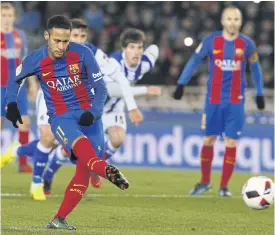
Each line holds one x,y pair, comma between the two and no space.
96,195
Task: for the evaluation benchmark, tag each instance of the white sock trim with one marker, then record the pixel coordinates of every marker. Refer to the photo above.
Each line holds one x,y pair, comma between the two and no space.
42,148
110,146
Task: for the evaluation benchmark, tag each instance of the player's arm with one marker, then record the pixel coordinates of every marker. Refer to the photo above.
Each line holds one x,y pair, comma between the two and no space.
111,68
24,45
256,74
16,80
152,54
189,69
114,90
98,83
32,81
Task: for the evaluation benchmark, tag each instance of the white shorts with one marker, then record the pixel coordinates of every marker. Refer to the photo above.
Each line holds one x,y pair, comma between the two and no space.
114,119
41,110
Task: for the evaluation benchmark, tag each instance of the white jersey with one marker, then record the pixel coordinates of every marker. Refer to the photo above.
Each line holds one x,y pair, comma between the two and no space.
113,74
133,75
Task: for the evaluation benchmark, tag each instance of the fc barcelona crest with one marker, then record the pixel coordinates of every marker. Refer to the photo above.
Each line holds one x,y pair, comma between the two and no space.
239,52
74,68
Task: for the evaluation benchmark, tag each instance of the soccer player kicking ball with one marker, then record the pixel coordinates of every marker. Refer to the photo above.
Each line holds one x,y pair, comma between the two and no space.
228,51
67,72
40,149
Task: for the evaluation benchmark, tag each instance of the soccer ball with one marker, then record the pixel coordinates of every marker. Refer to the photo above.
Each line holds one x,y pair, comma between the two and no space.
258,192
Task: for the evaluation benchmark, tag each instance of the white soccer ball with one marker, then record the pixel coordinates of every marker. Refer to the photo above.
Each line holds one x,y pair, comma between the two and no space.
258,192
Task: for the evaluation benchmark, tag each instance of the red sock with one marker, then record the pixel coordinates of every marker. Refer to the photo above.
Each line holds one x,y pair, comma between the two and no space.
228,165
23,139
75,190
207,154
85,152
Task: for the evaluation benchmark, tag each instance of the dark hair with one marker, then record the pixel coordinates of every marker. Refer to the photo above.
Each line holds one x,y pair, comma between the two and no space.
59,21
131,35
79,24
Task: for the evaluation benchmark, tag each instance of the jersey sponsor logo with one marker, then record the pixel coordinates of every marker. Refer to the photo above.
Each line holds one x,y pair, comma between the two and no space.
18,69
228,65
97,76
74,68
239,52
215,52
45,74
64,84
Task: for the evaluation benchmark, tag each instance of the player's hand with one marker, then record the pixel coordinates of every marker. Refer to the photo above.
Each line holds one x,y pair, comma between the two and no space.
13,114
135,116
260,102
178,93
153,91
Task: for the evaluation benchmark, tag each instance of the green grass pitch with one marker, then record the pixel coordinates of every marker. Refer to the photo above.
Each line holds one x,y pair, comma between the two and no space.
157,202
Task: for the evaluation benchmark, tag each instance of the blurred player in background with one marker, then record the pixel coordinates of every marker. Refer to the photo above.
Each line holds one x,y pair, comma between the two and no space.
134,62
13,50
67,72
228,51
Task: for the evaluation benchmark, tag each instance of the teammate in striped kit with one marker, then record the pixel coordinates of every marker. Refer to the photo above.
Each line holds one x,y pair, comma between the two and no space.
134,62
13,50
67,72
228,51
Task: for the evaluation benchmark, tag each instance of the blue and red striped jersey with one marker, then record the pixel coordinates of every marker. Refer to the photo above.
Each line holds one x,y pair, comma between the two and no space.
227,64
13,50
66,82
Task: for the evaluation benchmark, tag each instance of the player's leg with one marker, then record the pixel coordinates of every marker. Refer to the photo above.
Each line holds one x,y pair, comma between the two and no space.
42,150
69,134
3,106
211,125
41,157
234,122
115,129
72,196
55,163
16,149
23,132
96,136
